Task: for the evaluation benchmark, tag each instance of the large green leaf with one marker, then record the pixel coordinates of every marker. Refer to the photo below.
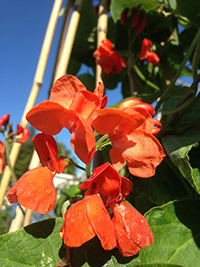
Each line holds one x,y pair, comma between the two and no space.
176,228
35,245
178,147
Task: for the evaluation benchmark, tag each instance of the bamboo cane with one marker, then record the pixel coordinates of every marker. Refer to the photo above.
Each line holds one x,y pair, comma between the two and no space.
102,25
38,79
62,38
60,70
69,40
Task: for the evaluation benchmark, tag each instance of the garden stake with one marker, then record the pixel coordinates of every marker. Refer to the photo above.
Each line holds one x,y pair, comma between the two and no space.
34,91
69,40
101,33
62,38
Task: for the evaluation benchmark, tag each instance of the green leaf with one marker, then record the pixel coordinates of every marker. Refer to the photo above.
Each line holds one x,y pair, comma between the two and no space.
88,80
176,228
163,187
35,245
177,148
117,6
192,12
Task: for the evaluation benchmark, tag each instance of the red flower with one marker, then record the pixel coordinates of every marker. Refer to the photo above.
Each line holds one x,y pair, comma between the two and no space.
110,61
134,104
147,54
131,228
24,133
70,106
2,159
86,219
128,230
107,182
4,119
132,140
35,189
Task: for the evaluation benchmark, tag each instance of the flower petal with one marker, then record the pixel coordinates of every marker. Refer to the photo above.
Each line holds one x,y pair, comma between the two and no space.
101,223
85,103
114,121
50,117
2,159
64,90
77,229
142,152
116,159
40,143
35,190
106,181
132,229
83,140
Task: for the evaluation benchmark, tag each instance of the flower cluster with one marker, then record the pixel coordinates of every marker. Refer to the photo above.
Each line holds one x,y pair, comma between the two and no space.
108,58
147,54
21,135
129,128
138,18
128,230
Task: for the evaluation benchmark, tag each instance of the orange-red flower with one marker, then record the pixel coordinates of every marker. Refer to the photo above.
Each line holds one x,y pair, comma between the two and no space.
24,133
147,54
35,189
107,182
132,229
70,106
130,133
128,230
2,159
134,104
4,119
108,58
86,219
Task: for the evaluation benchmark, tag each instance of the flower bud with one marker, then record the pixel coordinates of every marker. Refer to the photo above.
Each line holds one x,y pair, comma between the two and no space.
123,17
4,120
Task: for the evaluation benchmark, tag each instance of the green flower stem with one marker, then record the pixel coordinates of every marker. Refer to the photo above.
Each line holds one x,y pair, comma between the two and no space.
88,169
195,61
70,161
186,58
143,78
178,109
101,142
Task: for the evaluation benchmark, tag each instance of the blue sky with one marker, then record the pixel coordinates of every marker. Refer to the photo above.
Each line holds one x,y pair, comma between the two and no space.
22,29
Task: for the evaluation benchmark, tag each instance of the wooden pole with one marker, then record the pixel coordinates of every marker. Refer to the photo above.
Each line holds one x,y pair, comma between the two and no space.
60,69
102,25
38,79
62,38
69,41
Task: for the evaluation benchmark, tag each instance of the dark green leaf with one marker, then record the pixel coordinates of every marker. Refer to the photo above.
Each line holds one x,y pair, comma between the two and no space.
35,245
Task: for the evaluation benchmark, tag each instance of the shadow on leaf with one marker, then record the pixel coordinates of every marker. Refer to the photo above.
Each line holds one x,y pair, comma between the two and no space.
41,229
187,212
92,254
